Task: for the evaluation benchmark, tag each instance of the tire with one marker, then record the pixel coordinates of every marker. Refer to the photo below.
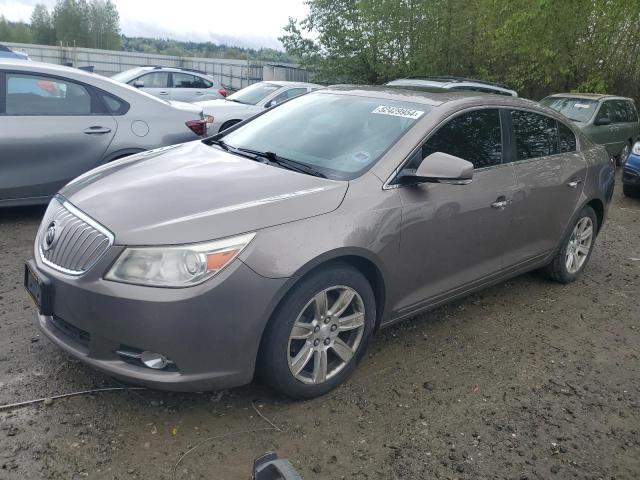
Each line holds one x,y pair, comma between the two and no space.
281,355
622,157
559,269
630,191
228,124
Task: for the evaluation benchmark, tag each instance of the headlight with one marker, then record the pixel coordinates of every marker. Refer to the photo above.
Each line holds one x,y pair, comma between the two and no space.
179,266
636,148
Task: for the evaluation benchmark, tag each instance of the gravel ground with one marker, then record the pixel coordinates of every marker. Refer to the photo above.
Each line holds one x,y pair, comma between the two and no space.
526,380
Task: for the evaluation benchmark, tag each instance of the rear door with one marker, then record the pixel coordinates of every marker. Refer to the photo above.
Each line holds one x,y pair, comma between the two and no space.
189,88
550,175
51,130
453,236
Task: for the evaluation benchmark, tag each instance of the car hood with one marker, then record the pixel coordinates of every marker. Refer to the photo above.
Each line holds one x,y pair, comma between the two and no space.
194,192
220,105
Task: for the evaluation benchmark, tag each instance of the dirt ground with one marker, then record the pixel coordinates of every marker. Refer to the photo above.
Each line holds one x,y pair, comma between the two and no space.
526,380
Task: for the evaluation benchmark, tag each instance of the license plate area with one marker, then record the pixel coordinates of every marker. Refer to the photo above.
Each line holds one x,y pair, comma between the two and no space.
39,289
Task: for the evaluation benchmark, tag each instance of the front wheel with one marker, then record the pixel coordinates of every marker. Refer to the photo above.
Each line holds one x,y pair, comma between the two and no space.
319,333
576,248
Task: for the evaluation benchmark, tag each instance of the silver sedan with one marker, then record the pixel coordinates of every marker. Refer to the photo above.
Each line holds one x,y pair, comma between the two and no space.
57,122
250,101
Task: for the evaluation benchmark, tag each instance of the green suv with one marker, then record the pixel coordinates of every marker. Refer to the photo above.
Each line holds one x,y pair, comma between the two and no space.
607,120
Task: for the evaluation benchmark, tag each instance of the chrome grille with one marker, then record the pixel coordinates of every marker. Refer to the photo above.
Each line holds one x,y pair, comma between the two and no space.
78,241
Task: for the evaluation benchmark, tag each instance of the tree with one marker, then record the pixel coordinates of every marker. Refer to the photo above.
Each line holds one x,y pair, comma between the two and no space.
42,28
71,22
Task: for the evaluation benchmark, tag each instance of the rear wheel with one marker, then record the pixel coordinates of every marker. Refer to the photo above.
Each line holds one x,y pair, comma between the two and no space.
576,248
319,333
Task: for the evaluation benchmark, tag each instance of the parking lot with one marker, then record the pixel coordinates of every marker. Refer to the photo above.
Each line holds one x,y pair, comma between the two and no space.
529,379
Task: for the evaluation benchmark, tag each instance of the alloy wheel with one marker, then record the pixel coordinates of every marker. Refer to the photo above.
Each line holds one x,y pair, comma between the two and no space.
326,334
579,245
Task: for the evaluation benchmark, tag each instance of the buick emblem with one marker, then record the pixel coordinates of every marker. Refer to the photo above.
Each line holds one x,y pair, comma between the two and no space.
49,236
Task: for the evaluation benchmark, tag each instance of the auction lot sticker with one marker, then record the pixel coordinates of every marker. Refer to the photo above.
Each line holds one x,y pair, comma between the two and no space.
398,112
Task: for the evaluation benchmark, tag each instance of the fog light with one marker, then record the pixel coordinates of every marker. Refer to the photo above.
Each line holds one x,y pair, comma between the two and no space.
154,360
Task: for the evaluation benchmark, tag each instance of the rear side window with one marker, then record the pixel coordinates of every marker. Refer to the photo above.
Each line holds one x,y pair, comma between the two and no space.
114,105
619,113
41,95
475,136
567,139
535,135
184,80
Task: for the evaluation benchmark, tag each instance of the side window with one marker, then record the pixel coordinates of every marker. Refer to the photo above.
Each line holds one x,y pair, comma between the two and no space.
114,105
475,136
153,80
184,80
567,139
287,94
619,114
535,135
605,112
632,112
40,95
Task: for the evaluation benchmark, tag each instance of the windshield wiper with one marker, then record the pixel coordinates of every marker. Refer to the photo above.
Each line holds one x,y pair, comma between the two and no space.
285,162
236,100
220,143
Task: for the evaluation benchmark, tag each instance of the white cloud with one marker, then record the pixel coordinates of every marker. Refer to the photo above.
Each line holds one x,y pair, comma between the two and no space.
254,23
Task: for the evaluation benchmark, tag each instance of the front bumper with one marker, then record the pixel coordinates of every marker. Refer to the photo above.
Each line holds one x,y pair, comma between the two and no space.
211,331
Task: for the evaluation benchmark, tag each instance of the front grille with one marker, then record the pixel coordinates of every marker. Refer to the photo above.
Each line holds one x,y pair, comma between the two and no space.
78,241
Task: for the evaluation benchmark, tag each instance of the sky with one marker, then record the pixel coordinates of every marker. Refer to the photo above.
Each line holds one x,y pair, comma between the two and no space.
243,23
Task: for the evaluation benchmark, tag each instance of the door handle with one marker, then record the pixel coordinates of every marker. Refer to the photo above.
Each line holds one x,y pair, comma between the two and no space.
96,130
500,203
199,93
574,183
163,93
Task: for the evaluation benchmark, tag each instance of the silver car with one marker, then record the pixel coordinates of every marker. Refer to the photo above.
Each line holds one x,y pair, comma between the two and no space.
251,100
280,245
179,84
57,122
454,83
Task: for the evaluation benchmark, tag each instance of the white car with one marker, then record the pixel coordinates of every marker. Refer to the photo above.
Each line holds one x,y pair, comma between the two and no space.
251,100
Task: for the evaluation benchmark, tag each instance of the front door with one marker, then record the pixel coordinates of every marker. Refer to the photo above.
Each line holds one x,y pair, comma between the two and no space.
157,84
50,133
550,176
453,236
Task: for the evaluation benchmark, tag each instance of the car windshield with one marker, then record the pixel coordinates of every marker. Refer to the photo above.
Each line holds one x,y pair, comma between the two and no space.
576,109
338,135
254,93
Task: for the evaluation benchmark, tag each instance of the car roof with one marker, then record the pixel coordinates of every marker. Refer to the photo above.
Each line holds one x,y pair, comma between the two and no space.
431,96
588,96
450,81
286,83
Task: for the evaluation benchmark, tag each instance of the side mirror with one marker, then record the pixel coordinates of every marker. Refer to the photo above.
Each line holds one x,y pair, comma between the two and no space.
271,103
441,167
602,121
138,84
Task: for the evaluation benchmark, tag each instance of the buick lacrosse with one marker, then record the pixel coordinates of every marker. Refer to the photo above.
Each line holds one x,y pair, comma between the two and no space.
280,245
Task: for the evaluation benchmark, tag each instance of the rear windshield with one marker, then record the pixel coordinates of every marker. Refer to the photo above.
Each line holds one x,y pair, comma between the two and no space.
254,93
576,109
339,135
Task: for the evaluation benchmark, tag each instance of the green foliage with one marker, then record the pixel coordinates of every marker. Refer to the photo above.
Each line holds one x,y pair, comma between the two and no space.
14,31
535,46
